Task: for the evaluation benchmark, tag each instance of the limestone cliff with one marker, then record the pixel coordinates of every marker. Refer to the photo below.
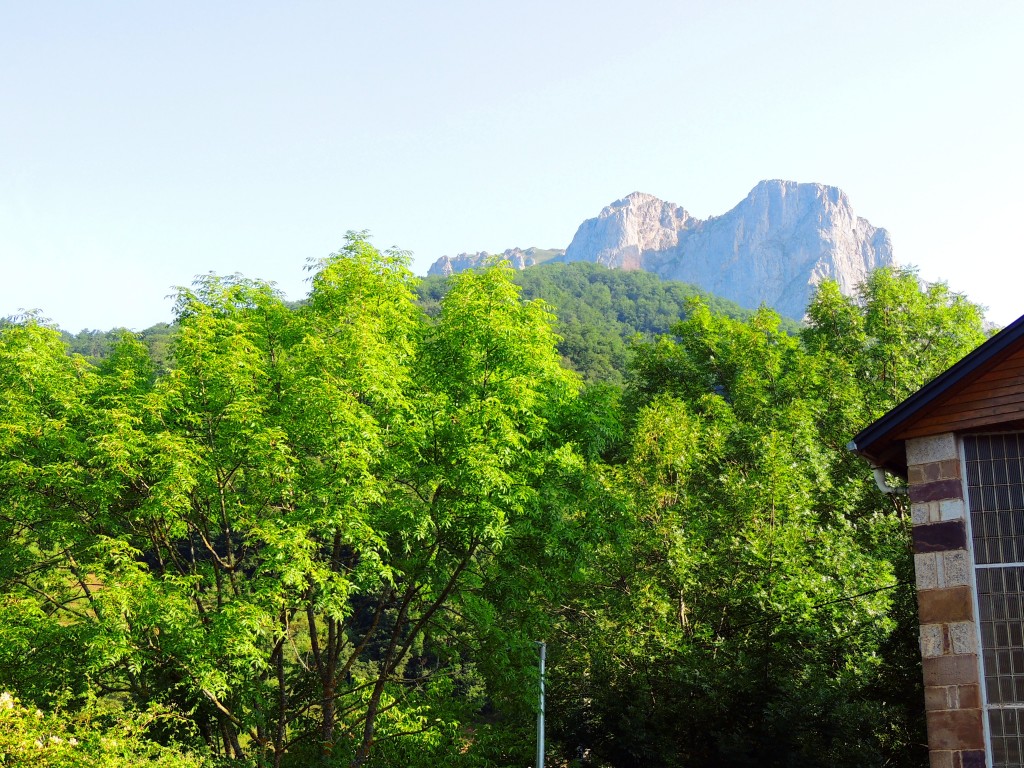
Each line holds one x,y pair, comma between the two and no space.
519,258
773,248
628,229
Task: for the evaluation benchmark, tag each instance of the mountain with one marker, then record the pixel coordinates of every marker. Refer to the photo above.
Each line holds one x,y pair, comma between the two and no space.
626,233
773,248
519,258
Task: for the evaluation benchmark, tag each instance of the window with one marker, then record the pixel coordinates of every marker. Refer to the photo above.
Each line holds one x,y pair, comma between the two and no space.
995,490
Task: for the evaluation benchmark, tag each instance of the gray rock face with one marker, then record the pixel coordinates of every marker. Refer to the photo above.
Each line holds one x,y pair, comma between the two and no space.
626,230
519,258
772,248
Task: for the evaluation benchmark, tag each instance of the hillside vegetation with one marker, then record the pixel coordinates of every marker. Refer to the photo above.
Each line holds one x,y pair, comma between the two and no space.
331,533
598,311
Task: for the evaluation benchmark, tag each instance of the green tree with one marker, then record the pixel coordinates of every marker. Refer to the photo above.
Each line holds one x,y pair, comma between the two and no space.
309,532
755,604
85,738
330,532
744,609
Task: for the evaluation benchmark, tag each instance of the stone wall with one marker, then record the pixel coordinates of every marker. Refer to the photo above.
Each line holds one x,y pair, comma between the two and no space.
945,582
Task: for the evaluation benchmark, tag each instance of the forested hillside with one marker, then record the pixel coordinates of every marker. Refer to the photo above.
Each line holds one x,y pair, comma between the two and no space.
96,345
598,313
331,533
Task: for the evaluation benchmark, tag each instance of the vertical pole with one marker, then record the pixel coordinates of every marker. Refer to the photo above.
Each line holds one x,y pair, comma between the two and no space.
540,712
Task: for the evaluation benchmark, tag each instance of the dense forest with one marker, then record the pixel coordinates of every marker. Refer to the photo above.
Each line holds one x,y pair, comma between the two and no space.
331,533
598,313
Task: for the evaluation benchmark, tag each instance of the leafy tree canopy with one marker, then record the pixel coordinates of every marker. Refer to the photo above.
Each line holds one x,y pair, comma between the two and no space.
329,532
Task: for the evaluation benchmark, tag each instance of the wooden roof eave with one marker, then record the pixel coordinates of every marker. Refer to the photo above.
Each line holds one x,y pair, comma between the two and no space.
880,442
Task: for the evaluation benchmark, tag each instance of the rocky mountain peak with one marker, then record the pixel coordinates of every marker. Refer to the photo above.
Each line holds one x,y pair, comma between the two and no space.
772,248
790,198
517,257
626,229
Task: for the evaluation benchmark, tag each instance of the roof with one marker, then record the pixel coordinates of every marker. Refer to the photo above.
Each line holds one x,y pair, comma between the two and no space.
881,442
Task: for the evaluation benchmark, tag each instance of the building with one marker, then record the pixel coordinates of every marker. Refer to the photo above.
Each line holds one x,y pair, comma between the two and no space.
959,443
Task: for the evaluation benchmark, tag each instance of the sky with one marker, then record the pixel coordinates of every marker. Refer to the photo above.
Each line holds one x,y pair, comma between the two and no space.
142,144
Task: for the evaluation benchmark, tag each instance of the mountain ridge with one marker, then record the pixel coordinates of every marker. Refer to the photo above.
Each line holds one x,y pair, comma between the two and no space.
520,258
773,247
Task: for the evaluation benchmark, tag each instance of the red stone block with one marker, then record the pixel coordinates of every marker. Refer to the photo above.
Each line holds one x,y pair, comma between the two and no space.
951,670
936,697
940,489
955,729
949,469
969,696
941,606
939,537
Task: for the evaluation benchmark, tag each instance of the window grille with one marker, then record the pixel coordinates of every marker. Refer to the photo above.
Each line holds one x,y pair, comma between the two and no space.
995,491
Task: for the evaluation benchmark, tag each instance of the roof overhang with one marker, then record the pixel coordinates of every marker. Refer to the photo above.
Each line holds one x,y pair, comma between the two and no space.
880,442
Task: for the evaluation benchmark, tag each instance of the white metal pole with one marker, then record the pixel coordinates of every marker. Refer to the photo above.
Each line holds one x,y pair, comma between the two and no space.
540,712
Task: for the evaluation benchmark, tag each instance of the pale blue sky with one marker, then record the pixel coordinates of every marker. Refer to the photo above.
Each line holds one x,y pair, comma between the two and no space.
142,143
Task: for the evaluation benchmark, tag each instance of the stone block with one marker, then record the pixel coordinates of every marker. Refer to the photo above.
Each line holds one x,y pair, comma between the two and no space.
936,470
943,606
949,469
926,570
925,450
940,489
931,640
950,670
919,513
968,696
941,759
972,758
963,637
939,537
937,697
956,570
951,509
955,729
